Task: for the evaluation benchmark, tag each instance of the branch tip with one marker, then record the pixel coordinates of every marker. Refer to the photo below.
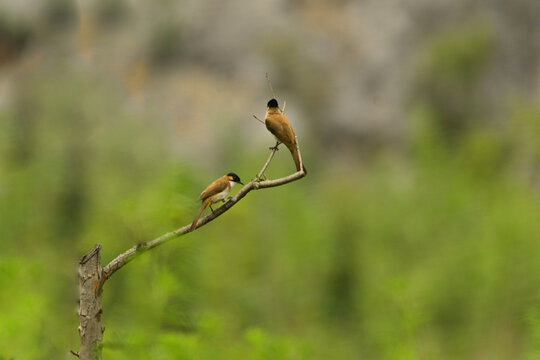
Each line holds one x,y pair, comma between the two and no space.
90,254
255,116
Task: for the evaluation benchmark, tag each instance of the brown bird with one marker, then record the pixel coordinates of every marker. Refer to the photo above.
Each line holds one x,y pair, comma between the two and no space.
215,192
282,130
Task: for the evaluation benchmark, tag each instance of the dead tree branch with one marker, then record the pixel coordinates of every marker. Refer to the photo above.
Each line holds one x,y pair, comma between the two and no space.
140,248
92,276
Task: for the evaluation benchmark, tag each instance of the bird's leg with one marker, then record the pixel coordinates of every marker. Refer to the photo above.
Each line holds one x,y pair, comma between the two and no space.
211,209
275,147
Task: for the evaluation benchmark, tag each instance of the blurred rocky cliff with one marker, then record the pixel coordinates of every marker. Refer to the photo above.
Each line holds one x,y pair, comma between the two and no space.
351,72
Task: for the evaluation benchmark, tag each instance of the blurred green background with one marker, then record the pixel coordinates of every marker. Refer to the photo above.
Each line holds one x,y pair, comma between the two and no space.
415,235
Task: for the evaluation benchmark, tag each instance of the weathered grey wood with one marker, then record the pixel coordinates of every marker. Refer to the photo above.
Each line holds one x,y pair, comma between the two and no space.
90,293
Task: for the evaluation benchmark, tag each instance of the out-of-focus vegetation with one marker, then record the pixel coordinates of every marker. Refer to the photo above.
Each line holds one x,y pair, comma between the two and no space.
416,234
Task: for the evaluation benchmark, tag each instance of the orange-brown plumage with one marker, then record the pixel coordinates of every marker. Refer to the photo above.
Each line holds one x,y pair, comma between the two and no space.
281,128
215,192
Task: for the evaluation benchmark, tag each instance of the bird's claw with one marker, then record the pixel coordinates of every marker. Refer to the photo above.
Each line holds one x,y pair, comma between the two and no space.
275,147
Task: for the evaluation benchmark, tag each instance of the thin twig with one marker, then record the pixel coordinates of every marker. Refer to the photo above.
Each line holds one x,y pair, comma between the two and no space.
74,353
299,154
270,85
255,116
124,258
260,174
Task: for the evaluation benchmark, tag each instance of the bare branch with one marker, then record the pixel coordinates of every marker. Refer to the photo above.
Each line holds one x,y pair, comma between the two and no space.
270,85
261,173
299,153
255,116
254,184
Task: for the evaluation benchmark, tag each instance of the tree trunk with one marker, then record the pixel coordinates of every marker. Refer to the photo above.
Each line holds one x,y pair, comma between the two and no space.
90,293
92,276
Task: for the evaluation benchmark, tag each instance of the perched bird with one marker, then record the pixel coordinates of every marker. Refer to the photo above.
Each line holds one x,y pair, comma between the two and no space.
281,128
215,192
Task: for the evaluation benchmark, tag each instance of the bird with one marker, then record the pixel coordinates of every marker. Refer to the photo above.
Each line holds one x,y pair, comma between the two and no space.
215,192
282,130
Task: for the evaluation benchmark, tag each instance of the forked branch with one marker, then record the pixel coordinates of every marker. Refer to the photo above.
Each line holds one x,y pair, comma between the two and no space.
254,184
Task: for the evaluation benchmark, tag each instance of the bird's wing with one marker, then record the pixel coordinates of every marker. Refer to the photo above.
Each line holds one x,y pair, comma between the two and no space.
291,137
216,187
280,127
273,125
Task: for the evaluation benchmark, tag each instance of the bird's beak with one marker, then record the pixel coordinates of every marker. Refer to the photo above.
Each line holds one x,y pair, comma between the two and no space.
241,182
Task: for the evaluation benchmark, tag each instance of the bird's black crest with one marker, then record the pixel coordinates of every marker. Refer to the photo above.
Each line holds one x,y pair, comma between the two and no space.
234,177
272,103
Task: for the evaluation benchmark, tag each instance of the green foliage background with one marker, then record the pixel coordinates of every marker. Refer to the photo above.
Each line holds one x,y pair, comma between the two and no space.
428,251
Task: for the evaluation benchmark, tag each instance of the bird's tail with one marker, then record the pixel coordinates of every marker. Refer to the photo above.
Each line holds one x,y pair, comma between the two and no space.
204,205
296,158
